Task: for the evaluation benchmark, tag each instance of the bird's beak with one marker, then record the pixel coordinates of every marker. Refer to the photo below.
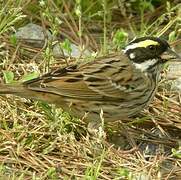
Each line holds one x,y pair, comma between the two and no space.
169,54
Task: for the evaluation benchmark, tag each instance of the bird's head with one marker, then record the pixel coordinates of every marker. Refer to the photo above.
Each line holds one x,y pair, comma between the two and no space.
147,52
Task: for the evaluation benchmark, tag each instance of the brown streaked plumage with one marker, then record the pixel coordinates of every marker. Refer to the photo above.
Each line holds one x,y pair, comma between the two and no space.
121,84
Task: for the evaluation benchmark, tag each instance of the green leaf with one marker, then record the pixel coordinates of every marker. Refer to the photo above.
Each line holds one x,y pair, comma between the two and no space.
66,45
120,38
51,173
172,36
124,173
29,76
8,76
13,40
176,153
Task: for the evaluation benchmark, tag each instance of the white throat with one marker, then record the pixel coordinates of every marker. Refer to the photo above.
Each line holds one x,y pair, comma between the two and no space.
145,65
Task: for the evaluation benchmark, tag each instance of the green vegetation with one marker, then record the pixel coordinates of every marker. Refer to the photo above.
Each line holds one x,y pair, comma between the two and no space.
39,140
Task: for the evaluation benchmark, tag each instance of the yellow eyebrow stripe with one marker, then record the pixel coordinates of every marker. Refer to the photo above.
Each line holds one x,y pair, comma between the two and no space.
146,43
143,44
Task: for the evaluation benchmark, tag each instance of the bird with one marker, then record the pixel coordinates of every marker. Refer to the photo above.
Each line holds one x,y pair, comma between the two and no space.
120,85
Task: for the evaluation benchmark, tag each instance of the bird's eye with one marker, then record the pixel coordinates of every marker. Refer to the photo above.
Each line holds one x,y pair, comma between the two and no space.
151,47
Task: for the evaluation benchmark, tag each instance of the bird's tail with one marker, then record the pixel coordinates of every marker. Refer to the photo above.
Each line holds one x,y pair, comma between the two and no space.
23,91
11,89
18,90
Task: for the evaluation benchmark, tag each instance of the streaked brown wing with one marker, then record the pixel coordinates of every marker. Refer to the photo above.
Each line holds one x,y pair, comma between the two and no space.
106,79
